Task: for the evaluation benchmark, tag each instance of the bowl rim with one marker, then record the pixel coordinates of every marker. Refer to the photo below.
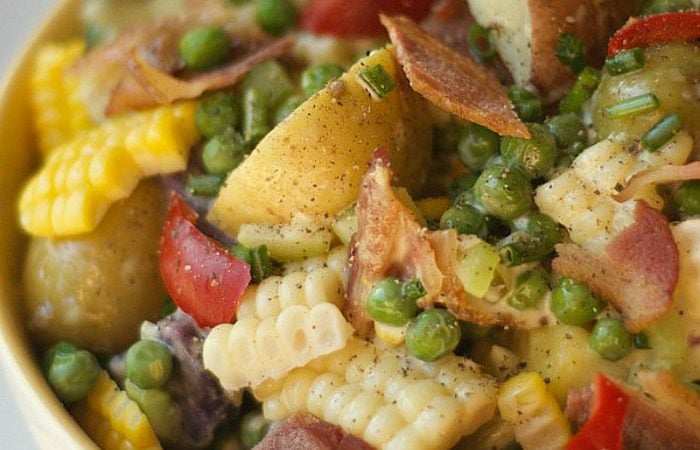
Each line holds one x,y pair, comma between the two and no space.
48,419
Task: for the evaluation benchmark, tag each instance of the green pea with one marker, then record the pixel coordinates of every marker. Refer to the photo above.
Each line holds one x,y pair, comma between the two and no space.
568,129
686,199
477,145
505,192
609,339
665,6
56,349
162,412
533,156
71,372
317,77
465,219
216,113
530,289
223,153
276,16
271,79
461,184
205,184
149,364
573,303
534,236
252,428
386,304
205,47
528,107
288,107
433,334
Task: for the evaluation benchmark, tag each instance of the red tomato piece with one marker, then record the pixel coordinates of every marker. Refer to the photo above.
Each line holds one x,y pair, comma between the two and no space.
357,18
657,29
202,277
603,430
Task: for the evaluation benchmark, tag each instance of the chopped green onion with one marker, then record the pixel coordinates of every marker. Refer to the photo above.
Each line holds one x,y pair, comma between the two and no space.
662,132
626,61
634,105
481,42
257,257
256,120
207,185
586,82
571,51
377,80
528,107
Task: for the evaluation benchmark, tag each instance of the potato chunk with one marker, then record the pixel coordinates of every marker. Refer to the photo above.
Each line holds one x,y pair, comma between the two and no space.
313,162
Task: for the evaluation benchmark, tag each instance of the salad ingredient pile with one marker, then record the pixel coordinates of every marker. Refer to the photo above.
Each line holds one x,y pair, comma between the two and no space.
416,224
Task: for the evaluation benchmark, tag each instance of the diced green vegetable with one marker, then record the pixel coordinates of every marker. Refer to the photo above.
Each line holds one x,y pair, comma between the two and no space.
317,77
477,145
256,117
149,364
477,268
205,47
586,83
288,242
258,259
481,42
625,61
376,80
573,303
610,340
216,113
571,51
534,156
71,372
276,16
272,80
433,334
505,192
639,104
662,132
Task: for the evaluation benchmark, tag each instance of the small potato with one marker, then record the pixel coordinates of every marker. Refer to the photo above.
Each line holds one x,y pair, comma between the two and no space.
95,290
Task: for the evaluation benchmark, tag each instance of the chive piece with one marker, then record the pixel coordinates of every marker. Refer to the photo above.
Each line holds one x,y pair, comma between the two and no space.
641,341
256,120
634,105
377,80
571,51
586,82
662,132
261,265
625,61
481,42
207,185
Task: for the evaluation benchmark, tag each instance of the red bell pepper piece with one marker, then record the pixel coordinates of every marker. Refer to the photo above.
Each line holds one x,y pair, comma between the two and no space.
657,29
202,277
357,18
603,430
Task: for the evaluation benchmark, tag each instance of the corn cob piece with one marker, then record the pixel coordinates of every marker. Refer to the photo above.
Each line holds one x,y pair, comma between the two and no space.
581,198
59,112
282,323
534,413
83,177
386,397
113,420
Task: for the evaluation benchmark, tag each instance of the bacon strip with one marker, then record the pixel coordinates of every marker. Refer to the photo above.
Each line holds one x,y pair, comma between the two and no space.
452,81
388,242
638,272
663,414
306,432
158,87
661,175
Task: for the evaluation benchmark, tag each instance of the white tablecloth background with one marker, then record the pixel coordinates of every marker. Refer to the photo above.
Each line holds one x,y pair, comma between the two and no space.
18,20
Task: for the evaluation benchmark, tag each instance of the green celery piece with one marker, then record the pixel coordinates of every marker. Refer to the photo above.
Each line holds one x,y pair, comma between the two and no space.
477,269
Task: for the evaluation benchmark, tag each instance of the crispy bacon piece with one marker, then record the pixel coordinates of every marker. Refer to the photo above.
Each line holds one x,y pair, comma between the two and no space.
637,273
662,175
306,432
452,81
388,242
147,85
446,245
663,414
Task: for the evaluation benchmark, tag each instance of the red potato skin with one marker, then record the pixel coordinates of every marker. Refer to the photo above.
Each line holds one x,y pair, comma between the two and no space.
201,276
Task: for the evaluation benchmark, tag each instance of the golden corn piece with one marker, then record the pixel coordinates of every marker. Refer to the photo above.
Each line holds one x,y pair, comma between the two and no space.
82,178
537,419
59,111
113,420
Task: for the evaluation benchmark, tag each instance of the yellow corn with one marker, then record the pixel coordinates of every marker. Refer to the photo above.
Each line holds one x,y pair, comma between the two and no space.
537,419
112,420
83,177
59,112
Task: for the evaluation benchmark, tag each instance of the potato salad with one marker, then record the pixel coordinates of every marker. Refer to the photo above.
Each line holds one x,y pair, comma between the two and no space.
369,224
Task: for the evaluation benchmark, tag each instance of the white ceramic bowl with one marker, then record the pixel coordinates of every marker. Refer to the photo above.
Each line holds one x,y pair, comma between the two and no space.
48,420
